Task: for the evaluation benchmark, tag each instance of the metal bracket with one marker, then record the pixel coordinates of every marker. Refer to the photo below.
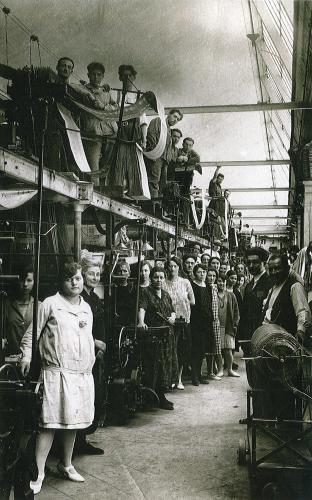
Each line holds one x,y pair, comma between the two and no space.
85,191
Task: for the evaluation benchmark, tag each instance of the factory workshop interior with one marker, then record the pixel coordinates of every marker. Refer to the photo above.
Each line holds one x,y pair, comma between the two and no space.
156,249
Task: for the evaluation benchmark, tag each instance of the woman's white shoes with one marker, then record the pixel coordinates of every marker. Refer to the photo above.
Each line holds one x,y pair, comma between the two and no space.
36,486
180,386
70,473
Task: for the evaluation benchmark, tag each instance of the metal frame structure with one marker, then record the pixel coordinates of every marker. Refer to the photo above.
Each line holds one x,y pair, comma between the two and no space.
81,195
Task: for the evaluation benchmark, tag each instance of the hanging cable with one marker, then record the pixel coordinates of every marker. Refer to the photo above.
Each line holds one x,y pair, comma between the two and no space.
27,30
6,11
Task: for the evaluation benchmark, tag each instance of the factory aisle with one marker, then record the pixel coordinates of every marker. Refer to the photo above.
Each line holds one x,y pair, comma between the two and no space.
187,454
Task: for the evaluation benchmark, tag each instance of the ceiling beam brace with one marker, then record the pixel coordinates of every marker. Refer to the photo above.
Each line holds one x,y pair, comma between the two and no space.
239,108
264,217
262,207
244,163
259,190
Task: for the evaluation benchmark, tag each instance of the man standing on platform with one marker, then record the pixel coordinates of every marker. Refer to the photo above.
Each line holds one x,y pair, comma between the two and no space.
95,132
57,151
64,68
157,169
217,202
173,153
188,161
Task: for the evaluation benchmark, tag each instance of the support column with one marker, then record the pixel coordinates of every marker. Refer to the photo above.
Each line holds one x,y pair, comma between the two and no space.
299,232
78,209
110,235
307,214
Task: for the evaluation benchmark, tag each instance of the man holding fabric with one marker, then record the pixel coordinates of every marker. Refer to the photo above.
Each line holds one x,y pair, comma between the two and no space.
97,134
127,167
157,168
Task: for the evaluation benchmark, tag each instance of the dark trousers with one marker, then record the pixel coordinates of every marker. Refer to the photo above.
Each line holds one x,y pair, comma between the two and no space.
185,180
157,176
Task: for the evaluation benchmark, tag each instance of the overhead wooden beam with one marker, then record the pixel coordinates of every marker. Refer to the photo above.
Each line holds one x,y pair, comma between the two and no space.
264,217
244,163
240,108
27,171
260,190
261,207
271,227
272,233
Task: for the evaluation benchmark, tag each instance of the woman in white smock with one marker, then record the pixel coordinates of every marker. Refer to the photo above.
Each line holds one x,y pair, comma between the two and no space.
66,347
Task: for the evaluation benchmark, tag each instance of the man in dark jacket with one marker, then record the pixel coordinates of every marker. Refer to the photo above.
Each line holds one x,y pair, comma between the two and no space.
255,293
157,168
188,161
287,303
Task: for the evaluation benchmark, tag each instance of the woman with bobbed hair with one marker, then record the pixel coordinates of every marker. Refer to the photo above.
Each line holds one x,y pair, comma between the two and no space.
66,349
145,272
182,296
18,311
214,355
91,272
155,310
201,322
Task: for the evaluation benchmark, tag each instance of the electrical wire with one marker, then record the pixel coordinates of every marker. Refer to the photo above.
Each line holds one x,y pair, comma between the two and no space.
27,30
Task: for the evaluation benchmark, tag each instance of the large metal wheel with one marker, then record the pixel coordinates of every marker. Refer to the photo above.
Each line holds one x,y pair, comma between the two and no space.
271,491
242,452
123,347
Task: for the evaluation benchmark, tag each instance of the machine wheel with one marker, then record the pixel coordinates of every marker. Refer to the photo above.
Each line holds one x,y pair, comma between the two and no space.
123,347
270,491
241,452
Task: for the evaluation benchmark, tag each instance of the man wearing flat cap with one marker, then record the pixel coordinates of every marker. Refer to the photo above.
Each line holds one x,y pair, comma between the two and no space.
255,293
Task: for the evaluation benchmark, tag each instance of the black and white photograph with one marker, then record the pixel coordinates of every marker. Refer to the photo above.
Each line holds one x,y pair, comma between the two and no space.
156,249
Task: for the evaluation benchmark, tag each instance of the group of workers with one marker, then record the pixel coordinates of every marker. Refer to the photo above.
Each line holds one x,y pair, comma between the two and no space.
116,158
199,305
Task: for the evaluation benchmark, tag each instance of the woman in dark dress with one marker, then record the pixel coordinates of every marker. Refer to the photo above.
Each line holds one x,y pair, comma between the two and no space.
201,322
232,285
91,272
19,310
156,310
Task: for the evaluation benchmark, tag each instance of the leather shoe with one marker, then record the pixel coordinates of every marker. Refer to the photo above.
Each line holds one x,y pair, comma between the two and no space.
164,404
204,381
70,473
195,382
243,421
88,449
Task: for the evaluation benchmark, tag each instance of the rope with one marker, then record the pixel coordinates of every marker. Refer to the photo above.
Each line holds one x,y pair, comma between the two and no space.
27,30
